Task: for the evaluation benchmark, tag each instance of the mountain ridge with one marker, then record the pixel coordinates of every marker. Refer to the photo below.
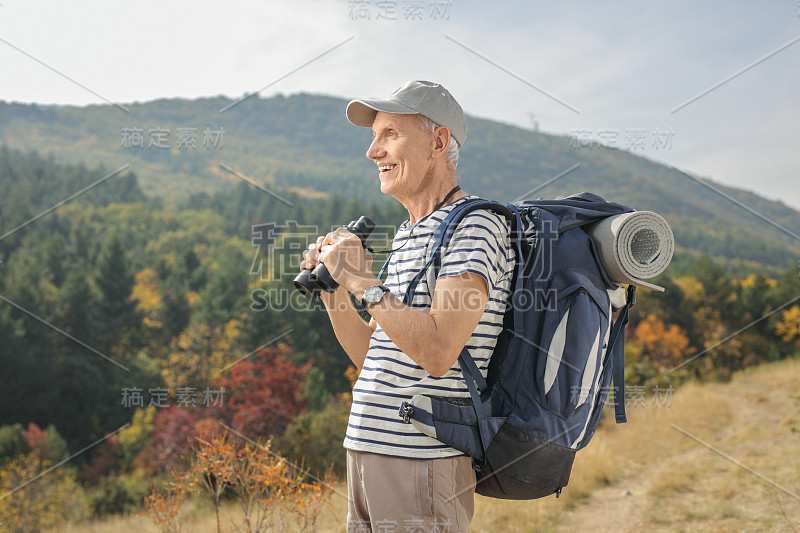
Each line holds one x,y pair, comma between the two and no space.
303,143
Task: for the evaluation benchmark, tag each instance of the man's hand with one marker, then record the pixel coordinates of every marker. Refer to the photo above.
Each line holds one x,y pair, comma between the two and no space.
311,255
343,254
347,262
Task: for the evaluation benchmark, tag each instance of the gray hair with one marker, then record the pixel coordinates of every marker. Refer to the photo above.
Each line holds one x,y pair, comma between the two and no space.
452,150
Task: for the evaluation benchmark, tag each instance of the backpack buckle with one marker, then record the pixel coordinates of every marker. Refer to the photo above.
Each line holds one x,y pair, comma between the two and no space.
631,296
406,410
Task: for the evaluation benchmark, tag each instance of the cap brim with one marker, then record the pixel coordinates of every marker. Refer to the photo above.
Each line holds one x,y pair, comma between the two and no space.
362,112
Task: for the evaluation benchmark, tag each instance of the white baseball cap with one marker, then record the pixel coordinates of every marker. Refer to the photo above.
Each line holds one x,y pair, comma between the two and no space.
414,97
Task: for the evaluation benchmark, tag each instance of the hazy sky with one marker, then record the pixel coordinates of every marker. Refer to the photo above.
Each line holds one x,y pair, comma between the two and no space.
621,71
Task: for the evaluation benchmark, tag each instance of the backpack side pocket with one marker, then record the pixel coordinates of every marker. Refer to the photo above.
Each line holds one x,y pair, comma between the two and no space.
571,351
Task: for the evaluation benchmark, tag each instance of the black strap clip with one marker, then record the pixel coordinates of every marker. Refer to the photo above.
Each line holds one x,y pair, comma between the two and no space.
406,410
631,296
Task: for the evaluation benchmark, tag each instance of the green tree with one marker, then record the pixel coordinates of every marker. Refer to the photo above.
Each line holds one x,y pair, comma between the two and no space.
116,311
12,442
46,444
76,303
226,294
175,312
315,392
315,438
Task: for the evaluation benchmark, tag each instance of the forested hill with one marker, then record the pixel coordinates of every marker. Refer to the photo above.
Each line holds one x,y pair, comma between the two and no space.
303,144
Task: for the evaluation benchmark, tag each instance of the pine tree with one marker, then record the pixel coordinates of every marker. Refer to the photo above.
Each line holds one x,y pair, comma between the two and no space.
116,311
175,312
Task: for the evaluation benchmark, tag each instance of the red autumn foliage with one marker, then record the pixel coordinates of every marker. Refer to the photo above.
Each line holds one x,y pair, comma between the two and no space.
175,431
209,428
264,393
173,428
45,444
102,462
37,440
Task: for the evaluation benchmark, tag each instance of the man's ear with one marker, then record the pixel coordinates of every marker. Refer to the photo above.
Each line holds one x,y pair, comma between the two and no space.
441,141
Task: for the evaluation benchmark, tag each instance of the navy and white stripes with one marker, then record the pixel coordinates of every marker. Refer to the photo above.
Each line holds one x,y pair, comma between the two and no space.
480,245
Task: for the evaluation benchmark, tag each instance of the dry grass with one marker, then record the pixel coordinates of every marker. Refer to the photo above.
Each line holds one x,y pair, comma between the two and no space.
673,480
196,517
645,475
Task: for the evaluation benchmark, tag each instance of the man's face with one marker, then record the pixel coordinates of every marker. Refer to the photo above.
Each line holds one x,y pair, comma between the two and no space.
402,150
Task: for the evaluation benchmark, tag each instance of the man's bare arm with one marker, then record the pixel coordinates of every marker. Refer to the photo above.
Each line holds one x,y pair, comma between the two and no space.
350,329
434,340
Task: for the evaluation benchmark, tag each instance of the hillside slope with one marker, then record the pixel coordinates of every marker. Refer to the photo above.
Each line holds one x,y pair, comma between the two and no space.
303,143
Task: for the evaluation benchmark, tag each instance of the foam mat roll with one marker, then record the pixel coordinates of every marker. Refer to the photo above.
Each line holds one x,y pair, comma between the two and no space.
634,246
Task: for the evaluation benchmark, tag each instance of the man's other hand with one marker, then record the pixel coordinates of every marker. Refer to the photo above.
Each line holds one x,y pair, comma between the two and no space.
343,254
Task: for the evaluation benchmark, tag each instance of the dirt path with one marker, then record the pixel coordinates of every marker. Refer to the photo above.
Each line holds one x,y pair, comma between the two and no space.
762,433
624,505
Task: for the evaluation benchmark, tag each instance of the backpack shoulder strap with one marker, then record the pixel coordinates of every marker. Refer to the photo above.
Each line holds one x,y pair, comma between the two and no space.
383,268
408,297
448,226
445,231
616,347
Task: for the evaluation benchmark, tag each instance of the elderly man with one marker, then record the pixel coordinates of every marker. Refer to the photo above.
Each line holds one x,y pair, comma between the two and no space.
398,478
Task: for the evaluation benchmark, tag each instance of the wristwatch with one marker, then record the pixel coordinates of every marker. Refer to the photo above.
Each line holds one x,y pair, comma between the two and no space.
373,295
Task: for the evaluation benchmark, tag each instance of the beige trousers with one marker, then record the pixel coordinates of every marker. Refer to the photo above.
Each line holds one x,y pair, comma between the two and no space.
396,495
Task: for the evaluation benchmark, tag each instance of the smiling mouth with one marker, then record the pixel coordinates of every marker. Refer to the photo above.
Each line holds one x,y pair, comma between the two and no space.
386,168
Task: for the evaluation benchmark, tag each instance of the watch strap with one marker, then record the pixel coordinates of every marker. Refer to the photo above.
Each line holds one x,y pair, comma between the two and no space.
365,303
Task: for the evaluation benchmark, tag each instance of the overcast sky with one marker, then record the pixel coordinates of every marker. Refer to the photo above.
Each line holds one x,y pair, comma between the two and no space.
631,73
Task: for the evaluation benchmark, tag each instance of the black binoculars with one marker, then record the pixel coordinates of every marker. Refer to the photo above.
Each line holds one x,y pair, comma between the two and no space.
312,282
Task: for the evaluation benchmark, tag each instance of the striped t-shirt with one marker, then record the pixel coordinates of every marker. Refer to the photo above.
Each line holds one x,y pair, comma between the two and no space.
480,245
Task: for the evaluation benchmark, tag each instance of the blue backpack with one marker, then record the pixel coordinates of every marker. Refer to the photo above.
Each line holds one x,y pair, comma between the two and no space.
550,373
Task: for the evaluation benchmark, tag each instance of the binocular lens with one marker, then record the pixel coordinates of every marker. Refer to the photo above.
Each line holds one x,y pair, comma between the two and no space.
305,285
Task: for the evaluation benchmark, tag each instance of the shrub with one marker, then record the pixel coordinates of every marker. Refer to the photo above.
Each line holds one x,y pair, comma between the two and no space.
46,444
315,438
119,493
12,442
34,499
265,485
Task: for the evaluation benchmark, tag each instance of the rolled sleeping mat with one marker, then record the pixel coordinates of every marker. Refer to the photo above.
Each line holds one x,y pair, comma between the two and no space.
634,246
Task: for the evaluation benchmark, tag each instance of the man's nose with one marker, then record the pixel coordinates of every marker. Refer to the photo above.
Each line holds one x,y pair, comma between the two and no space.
375,150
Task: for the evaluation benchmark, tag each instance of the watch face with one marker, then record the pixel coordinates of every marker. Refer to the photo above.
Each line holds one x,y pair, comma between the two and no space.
373,294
